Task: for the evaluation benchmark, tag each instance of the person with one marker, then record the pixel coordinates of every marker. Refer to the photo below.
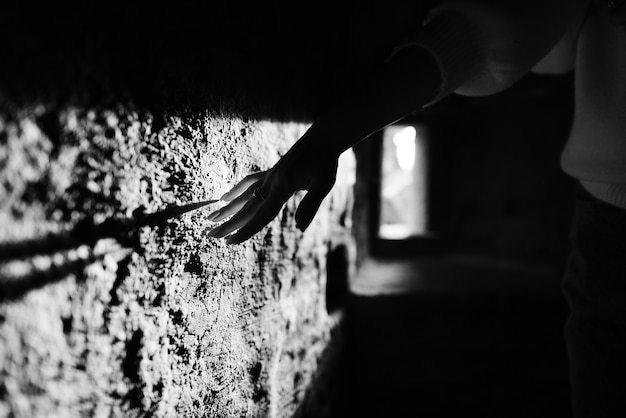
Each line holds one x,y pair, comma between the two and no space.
480,48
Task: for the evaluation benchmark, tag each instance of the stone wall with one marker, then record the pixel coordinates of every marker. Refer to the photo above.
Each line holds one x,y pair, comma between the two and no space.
107,110
165,322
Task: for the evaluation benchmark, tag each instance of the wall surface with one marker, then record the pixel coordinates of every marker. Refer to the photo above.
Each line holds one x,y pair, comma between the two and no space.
178,324
108,110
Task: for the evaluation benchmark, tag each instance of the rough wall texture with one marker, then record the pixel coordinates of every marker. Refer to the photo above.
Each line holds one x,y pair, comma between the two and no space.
178,324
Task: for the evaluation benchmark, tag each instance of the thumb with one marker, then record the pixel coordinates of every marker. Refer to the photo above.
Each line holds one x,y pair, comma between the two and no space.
311,202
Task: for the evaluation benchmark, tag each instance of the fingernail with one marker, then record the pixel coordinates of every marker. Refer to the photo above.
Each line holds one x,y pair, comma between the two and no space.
212,233
224,196
230,240
213,215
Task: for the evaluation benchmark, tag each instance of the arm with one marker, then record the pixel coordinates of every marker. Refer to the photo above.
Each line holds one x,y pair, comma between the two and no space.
467,47
406,82
562,58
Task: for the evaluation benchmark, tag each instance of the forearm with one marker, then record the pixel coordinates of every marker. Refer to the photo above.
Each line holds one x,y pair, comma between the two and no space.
472,49
403,85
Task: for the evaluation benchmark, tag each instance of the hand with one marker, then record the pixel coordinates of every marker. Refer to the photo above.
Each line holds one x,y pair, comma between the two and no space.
258,198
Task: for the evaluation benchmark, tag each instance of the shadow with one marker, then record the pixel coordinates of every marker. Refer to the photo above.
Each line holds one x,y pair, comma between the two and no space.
445,354
87,232
323,396
29,277
457,354
31,264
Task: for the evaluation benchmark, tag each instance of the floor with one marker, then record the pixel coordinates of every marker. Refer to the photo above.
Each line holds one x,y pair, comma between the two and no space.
454,336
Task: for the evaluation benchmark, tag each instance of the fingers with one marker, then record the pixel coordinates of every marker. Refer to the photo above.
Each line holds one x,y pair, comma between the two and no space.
237,221
313,199
235,205
255,221
250,212
243,185
254,215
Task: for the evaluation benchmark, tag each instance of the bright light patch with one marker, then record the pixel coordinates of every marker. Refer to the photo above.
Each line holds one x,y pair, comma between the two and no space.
404,140
403,209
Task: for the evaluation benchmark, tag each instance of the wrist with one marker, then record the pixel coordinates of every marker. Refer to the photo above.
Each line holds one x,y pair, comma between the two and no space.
323,140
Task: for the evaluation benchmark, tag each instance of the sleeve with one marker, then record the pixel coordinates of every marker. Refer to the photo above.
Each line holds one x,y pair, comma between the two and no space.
483,47
562,57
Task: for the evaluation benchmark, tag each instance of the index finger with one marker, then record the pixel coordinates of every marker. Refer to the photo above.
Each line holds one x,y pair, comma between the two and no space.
261,217
242,186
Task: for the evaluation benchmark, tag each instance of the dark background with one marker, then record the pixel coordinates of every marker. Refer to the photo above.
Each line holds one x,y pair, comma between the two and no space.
272,60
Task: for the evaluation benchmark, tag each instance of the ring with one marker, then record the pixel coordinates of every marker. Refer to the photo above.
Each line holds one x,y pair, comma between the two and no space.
258,193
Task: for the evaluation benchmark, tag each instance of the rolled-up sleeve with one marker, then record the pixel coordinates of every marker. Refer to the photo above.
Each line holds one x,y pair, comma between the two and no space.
483,47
